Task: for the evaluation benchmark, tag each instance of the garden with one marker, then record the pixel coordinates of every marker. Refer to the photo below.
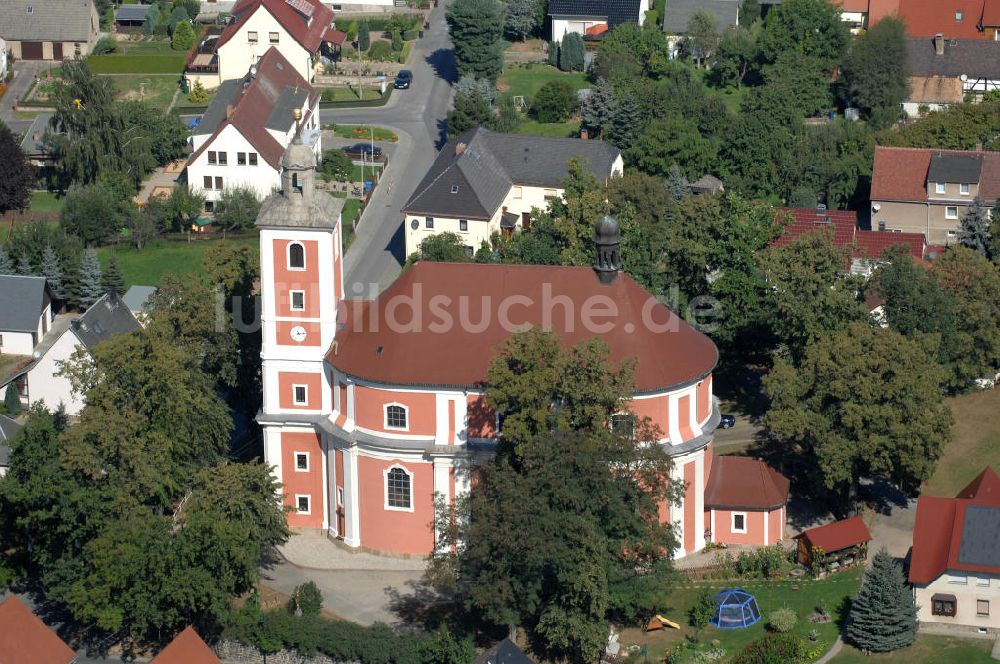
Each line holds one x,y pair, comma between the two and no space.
378,39
176,256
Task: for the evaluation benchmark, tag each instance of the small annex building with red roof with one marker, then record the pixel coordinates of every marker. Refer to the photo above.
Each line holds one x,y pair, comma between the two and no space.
955,559
25,639
245,130
920,190
186,648
302,30
844,541
745,501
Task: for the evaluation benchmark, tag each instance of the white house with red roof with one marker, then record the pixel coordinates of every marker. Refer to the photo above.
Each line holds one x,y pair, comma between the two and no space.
244,132
373,407
955,560
302,30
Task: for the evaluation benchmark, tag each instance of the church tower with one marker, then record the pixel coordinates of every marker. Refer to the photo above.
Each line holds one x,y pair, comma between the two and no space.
302,284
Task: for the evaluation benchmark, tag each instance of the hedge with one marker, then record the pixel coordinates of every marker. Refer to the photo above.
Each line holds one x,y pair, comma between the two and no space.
359,103
137,64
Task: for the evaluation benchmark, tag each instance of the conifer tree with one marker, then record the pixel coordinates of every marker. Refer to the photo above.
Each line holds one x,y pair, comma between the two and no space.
883,616
11,401
571,52
91,286
676,183
364,36
113,279
6,264
974,231
554,53
24,266
52,272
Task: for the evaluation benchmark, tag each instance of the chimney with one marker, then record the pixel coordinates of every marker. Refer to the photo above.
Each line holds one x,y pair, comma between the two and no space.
821,210
584,134
229,111
939,44
459,148
607,237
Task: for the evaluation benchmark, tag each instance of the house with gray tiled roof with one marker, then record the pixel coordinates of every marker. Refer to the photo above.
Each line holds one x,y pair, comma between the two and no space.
25,313
48,29
8,429
594,17
483,182
39,379
943,71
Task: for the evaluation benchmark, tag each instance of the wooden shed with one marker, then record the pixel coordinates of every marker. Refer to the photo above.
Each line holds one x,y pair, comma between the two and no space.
842,542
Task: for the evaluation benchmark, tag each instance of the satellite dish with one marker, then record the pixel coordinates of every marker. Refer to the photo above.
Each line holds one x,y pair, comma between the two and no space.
963,78
36,355
414,224
876,207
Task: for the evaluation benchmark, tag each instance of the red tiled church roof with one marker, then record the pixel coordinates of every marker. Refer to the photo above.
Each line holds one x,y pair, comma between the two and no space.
744,483
459,355
186,648
900,174
254,103
838,535
25,639
305,20
938,531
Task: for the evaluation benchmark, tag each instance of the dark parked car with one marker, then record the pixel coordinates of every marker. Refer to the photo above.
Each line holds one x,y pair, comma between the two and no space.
403,79
364,151
726,421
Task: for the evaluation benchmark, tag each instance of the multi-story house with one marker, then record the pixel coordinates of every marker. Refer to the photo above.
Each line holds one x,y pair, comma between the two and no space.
955,560
483,182
301,29
241,137
373,408
25,313
945,71
920,190
592,18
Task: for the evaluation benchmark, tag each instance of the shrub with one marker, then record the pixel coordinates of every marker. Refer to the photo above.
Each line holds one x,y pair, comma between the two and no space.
380,50
702,611
105,45
410,35
782,620
772,649
11,401
198,95
554,102
336,165
307,600
183,38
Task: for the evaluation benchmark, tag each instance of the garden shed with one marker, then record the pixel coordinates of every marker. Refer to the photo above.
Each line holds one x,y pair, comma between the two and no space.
131,18
842,542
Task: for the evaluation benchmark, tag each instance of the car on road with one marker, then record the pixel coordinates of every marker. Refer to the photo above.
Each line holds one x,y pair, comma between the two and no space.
726,421
403,80
365,151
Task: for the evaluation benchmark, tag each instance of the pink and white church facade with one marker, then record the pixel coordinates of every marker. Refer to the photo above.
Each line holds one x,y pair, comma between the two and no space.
372,408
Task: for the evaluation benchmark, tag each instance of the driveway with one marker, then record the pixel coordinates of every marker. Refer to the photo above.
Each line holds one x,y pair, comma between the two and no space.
417,115
24,74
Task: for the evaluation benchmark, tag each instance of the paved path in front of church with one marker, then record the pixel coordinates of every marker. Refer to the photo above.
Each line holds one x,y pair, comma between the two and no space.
360,587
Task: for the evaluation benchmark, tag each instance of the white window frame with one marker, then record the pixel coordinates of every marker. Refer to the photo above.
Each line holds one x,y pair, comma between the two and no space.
291,300
461,223
295,388
939,187
385,488
385,416
251,36
947,212
983,581
273,37
732,523
517,192
980,613
288,257
296,456
308,498
964,189
958,579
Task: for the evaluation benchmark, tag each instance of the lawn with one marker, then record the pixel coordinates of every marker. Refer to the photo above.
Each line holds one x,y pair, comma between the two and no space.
45,201
157,89
348,94
140,63
356,174
974,444
525,81
770,597
146,267
568,129
363,132
352,210
147,46
927,650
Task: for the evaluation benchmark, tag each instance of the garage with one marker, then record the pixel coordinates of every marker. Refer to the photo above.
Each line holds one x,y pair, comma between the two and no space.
31,50
57,51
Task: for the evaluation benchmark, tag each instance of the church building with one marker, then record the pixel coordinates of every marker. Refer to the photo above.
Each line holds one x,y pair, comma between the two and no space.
372,408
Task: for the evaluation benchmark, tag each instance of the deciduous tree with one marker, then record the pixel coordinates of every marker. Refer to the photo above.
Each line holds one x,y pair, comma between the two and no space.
810,27
555,101
875,74
734,57
17,176
862,402
444,247
237,208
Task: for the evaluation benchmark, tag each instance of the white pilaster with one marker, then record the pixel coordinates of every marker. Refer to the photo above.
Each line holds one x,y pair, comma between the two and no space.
699,502
272,449
767,533
330,485
442,487
677,511
352,519
325,448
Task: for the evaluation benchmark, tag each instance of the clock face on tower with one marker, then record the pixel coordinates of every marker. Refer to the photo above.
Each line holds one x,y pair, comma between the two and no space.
298,334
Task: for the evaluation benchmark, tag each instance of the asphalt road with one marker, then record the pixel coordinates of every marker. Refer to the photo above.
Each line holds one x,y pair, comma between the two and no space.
417,115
